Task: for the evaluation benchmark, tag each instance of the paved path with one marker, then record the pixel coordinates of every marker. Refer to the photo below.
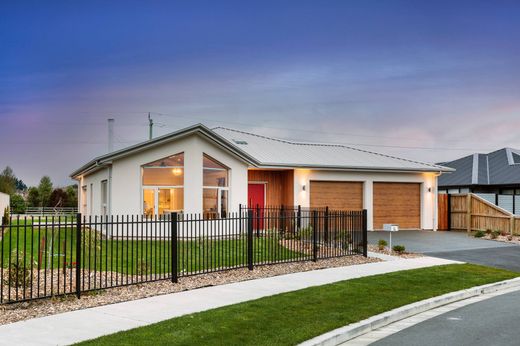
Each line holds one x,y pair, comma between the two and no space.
429,241
75,326
475,322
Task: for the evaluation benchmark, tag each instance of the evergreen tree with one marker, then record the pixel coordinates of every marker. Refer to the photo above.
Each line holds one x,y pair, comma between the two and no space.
45,191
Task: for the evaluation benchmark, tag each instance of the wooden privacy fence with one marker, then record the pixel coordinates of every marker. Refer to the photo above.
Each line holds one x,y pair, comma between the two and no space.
470,212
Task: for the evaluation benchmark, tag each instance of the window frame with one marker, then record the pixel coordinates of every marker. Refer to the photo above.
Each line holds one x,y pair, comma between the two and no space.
216,187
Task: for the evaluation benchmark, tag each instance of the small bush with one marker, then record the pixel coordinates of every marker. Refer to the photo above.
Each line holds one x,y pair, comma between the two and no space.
479,234
18,275
381,244
488,231
5,217
509,237
495,234
399,249
503,233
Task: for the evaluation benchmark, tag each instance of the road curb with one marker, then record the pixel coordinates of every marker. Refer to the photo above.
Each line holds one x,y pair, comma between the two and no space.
343,334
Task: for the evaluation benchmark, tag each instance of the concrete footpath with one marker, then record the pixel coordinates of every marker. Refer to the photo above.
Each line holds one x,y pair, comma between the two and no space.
70,327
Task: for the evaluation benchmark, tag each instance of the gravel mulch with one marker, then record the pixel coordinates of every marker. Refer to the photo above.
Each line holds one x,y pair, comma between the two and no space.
513,239
10,313
387,251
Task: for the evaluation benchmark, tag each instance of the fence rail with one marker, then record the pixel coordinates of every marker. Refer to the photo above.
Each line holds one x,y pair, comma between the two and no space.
59,255
50,211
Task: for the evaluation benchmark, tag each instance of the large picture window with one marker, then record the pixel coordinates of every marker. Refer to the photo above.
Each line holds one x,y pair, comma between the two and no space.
163,186
216,189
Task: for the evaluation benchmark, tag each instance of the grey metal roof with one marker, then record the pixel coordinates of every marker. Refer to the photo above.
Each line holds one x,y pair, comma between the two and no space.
261,151
273,152
500,167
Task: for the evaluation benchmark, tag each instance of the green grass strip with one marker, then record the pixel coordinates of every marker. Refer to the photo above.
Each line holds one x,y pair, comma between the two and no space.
291,318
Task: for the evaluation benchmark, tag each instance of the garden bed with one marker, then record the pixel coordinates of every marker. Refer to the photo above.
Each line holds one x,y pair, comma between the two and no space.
387,251
26,310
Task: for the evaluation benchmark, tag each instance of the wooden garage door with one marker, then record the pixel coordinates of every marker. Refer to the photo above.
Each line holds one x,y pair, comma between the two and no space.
397,203
339,195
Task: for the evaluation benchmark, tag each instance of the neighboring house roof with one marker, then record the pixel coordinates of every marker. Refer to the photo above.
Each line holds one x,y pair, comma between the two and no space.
500,167
261,151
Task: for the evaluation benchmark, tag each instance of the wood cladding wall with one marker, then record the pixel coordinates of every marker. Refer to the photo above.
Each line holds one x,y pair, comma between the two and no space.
279,186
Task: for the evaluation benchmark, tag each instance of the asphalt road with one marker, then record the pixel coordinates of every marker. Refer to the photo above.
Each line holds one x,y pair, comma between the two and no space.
503,257
490,322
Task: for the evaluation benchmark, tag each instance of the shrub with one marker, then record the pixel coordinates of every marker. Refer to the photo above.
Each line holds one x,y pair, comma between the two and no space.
488,231
5,217
503,233
509,237
399,249
18,275
381,244
495,234
18,205
479,234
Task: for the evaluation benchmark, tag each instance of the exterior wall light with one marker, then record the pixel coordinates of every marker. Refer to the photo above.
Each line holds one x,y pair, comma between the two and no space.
303,187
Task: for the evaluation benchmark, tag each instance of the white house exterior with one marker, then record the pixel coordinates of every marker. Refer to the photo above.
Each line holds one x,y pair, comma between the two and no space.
4,202
214,171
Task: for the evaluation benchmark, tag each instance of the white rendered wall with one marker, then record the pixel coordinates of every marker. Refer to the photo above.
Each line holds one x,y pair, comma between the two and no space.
126,189
93,183
4,203
427,180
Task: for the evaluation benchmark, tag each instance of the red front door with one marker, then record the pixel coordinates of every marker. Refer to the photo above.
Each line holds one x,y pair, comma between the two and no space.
256,199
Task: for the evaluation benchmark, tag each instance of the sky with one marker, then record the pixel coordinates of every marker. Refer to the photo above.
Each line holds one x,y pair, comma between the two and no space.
425,80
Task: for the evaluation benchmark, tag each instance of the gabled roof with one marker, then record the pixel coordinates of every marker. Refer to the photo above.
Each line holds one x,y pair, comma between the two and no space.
261,151
500,167
273,152
195,129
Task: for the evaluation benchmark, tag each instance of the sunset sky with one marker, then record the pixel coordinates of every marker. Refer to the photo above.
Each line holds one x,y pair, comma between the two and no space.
426,80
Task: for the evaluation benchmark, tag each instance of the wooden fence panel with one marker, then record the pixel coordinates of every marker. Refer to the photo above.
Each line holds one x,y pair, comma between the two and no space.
473,213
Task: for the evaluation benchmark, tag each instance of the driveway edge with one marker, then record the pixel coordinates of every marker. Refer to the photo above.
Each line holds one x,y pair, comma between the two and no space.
343,334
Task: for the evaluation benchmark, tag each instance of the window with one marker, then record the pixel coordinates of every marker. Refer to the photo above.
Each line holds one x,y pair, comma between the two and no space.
104,198
84,199
163,186
215,192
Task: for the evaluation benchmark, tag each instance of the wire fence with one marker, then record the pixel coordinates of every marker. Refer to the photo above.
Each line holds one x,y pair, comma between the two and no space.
60,255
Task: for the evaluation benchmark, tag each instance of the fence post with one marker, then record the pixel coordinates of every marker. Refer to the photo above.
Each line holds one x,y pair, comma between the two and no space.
174,235
326,224
250,239
78,255
315,235
365,234
449,212
257,220
468,213
282,221
299,218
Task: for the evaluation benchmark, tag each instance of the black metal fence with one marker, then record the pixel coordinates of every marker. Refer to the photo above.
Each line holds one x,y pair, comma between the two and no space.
54,256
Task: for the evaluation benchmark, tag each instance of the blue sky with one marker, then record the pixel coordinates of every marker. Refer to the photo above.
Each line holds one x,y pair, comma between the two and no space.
425,80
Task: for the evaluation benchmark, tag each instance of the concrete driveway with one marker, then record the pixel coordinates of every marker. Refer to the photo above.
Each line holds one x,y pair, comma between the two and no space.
455,246
428,241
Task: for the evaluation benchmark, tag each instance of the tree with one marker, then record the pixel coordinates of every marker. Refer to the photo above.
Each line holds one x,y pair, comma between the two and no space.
58,198
72,196
17,204
45,190
8,181
33,197
20,185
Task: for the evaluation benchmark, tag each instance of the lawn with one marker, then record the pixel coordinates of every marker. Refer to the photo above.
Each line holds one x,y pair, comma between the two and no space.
291,318
56,248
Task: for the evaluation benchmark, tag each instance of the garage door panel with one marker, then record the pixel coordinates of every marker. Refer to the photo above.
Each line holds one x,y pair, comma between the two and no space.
339,195
398,203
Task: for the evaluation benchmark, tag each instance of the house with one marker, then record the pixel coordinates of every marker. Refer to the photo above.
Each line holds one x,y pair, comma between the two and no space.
214,171
4,202
494,176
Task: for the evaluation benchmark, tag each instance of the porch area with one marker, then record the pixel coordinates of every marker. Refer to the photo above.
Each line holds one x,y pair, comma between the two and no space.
270,188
